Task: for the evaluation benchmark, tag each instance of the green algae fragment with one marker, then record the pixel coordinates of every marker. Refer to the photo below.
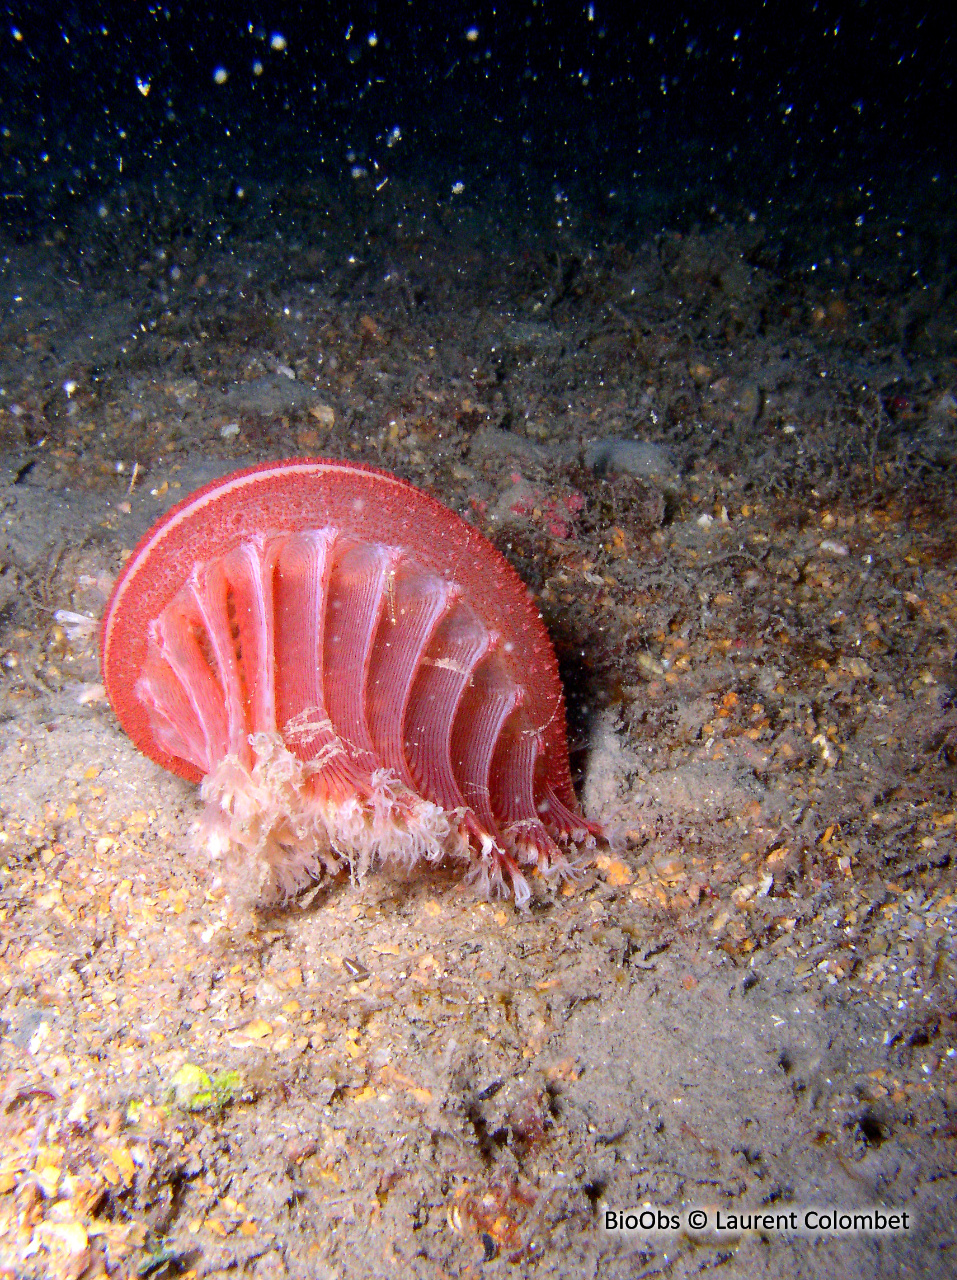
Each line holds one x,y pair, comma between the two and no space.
193,1089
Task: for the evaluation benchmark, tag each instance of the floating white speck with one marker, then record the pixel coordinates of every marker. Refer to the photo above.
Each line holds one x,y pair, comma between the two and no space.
69,387
257,68
472,34
277,42
143,86
220,75
458,188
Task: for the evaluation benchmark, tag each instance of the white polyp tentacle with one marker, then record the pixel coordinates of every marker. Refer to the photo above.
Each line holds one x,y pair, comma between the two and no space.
269,818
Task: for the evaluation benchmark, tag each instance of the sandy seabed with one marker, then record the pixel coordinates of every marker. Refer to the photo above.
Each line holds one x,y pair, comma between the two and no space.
730,487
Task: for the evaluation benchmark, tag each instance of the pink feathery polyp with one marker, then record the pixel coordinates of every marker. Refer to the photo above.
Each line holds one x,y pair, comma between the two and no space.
354,674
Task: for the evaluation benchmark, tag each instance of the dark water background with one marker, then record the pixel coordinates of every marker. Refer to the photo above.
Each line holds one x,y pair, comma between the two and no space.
823,121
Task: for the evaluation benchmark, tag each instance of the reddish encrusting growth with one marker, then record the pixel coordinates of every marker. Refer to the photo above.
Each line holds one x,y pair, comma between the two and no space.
352,671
